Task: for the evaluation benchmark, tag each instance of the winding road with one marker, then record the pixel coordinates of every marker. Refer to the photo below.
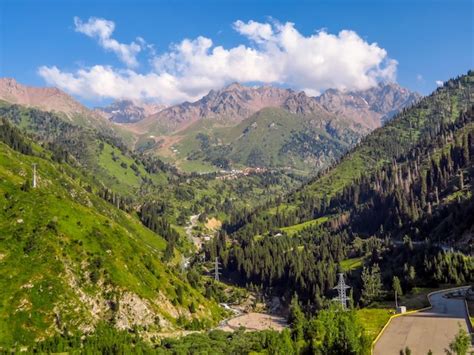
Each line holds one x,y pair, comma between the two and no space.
432,329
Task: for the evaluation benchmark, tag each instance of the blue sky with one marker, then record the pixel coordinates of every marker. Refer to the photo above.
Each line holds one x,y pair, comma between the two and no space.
429,40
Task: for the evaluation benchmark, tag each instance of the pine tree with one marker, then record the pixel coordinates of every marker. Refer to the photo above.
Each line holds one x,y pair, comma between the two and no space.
296,319
371,284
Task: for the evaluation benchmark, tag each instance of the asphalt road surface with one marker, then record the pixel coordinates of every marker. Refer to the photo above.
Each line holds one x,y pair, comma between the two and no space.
431,330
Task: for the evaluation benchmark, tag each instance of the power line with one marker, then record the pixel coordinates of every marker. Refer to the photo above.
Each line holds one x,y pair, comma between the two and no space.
216,269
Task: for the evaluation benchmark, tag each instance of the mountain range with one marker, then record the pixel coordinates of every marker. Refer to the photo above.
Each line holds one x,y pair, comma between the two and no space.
369,108
295,130
45,98
54,100
306,133
129,111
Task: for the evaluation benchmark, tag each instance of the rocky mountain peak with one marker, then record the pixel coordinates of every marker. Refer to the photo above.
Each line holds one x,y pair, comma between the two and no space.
234,87
235,102
371,107
128,111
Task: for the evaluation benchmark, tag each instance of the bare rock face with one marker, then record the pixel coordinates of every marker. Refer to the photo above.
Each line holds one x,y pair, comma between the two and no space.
133,310
129,111
301,104
231,104
366,109
45,98
370,108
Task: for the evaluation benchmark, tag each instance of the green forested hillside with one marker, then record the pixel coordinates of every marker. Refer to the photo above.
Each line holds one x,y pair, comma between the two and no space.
102,154
127,179
70,260
396,201
415,127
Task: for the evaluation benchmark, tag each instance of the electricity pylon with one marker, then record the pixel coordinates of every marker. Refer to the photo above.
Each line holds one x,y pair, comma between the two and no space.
341,288
34,176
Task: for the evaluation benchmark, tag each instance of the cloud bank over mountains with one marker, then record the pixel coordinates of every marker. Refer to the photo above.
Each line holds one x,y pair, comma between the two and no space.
274,53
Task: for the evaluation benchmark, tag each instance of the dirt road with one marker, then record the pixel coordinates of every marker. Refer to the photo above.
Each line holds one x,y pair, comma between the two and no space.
431,330
189,231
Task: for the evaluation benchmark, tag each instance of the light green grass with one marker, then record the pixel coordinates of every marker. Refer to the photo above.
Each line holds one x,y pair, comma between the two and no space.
113,168
373,320
196,166
352,264
291,230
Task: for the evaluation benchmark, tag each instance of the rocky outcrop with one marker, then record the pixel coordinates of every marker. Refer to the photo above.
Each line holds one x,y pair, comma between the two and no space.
128,111
45,98
366,109
370,108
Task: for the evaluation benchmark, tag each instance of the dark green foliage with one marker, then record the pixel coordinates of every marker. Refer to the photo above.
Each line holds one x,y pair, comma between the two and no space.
412,177
151,216
338,332
306,263
256,157
371,284
105,340
409,137
296,320
12,137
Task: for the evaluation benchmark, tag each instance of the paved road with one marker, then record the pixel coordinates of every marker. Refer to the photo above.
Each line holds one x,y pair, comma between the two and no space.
431,330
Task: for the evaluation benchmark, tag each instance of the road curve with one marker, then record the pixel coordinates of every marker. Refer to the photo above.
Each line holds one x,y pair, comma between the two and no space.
432,329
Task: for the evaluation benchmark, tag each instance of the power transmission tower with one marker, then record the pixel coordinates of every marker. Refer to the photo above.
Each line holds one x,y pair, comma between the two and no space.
34,176
341,288
216,269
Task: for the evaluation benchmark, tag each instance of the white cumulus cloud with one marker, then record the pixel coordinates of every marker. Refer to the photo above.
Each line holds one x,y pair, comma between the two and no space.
102,30
275,53
439,82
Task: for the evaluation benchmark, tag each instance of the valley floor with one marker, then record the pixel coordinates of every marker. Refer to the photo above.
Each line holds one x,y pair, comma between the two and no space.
432,329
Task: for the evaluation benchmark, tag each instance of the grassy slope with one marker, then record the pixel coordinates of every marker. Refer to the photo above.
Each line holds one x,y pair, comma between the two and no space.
107,165
404,132
352,263
378,148
298,227
267,130
97,160
373,320
52,239
119,177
